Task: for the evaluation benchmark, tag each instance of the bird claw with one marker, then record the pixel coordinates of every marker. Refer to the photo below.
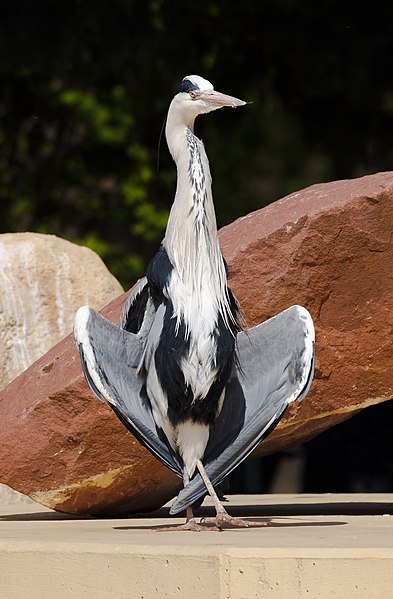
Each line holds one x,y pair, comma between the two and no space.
223,518
191,525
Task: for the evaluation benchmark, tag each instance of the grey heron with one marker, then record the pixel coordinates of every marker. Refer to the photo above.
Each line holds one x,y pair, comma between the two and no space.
180,373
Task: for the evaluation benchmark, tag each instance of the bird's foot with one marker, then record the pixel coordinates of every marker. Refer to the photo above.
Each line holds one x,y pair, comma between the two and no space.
191,525
222,518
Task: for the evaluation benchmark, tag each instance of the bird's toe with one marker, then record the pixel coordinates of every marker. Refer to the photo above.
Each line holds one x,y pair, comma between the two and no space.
190,526
223,519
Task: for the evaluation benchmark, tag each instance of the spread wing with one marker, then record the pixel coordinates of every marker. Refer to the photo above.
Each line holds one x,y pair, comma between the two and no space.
110,359
275,367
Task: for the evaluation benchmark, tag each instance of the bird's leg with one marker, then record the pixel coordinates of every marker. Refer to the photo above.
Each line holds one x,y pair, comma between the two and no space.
190,524
189,514
222,516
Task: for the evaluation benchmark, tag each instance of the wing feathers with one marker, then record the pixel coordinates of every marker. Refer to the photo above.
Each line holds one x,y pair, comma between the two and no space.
110,358
276,364
273,368
134,308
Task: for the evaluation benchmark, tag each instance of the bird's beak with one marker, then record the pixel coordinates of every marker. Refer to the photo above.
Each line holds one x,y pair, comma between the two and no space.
214,100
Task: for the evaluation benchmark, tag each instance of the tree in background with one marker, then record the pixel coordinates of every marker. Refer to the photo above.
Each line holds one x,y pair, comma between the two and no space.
85,88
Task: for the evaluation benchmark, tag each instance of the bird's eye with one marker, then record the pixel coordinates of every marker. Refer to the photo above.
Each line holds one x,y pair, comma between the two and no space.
192,95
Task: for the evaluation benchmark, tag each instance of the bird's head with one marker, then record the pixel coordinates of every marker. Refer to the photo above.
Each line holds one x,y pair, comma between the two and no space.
195,95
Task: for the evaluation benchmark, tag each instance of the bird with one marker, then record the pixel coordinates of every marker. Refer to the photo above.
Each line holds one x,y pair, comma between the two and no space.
182,371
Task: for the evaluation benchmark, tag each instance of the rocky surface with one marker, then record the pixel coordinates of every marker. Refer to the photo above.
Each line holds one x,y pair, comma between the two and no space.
10,497
328,247
43,280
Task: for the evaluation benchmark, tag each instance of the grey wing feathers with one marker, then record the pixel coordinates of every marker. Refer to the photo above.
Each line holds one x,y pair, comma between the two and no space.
275,367
110,359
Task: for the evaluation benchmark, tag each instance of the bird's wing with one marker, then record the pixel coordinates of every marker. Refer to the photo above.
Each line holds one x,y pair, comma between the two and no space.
134,309
275,367
110,359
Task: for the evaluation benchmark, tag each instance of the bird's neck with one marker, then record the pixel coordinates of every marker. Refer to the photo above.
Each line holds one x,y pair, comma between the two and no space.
192,220
191,239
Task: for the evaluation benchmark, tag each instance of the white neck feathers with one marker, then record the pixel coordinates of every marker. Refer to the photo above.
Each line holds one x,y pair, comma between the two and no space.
191,239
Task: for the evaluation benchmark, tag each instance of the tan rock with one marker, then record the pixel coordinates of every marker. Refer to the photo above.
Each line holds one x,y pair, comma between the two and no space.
328,247
43,280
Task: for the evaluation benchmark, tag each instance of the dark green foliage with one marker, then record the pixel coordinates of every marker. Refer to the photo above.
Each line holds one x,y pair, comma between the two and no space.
85,87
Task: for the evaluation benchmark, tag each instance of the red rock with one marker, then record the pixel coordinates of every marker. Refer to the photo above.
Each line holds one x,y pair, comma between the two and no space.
329,248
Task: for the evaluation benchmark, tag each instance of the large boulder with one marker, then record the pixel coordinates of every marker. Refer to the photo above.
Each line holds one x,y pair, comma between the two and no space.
328,247
43,281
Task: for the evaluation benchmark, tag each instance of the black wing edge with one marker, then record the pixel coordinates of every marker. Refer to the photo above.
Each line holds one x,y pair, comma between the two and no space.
134,308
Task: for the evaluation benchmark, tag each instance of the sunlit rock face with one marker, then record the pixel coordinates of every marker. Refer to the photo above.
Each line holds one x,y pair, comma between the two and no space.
43,280
329,248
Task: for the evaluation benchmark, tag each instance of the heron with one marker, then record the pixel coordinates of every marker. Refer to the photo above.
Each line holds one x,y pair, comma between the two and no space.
181,371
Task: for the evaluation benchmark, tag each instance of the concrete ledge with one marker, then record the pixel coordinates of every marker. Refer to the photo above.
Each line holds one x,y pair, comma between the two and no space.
315,546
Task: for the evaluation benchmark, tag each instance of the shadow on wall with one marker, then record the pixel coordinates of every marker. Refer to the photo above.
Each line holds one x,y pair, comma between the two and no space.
353,457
